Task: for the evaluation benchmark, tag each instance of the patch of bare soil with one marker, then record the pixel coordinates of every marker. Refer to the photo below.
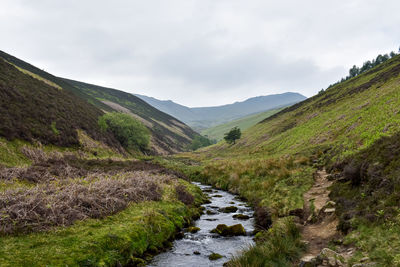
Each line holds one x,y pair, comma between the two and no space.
319,226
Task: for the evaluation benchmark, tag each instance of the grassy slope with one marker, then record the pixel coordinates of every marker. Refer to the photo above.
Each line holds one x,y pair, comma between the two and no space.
271,164
34,110
217,132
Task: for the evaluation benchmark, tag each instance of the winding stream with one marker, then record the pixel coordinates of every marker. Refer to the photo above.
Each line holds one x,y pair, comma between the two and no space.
193,250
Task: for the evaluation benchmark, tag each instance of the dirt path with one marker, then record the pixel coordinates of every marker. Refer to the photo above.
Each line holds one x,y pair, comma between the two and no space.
319,222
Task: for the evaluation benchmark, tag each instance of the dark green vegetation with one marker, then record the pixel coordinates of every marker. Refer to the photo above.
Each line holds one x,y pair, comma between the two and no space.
233,135
131,133
217,132
351,129
37,105
205,117
200,141
354,71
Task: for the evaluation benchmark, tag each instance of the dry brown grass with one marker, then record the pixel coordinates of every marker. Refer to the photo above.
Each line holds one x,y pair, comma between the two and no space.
46,205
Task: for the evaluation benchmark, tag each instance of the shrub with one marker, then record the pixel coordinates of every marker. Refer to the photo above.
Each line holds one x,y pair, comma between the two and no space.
200,141
131,133
183,195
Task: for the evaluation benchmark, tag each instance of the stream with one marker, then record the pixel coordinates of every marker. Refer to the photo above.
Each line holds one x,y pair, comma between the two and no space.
193,250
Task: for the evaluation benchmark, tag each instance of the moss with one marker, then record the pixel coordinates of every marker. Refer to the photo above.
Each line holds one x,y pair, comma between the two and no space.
224,230
214,256
193,229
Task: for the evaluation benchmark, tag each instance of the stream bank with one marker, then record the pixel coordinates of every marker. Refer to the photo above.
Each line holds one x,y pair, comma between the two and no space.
198,245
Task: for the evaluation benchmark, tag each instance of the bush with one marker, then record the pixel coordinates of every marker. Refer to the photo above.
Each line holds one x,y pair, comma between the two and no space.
183,195
200,141
131,133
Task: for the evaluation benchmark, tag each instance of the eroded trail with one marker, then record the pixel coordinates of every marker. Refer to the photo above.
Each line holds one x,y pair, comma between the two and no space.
320,222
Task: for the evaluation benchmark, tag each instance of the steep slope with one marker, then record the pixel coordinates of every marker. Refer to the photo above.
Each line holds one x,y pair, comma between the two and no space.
352,130
168,134
34,110
217,132
206,117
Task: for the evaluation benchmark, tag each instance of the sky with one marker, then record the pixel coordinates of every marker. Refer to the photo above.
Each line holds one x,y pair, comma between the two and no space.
200,52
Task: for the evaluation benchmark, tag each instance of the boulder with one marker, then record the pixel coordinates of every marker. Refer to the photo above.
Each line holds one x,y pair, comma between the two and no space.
193,229
331,258
241,217
308,261
229,209
214,256
234,230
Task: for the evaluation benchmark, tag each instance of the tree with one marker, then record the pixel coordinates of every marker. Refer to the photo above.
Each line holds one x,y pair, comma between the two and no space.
131,133
354,71
200,141
233,135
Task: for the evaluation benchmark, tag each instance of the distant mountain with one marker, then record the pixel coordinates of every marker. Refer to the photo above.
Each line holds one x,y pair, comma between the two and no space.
217,132
205,117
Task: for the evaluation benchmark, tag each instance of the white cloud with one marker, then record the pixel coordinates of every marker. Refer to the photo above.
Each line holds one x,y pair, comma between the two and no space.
203,52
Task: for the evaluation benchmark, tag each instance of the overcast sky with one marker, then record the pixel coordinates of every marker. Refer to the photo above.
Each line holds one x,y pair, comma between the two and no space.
204,52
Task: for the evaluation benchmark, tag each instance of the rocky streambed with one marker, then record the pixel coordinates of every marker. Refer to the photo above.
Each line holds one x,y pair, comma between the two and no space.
222,231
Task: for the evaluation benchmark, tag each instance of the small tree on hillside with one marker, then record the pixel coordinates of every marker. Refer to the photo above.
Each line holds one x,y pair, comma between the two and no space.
233,135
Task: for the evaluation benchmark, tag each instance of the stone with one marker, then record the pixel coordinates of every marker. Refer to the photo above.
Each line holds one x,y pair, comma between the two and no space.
330,210
196,252
217,196
234,230
364,259
369,264
308,261
241,217
331,258
330,204
193,229
210,212
229,209
214,256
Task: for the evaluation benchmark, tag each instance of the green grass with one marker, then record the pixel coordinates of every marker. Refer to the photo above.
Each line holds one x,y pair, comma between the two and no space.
121,238
279,246
217,132
11,155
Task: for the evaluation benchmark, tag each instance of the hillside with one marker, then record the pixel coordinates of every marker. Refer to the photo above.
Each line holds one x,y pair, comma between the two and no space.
351,130
217,132
90,101
168,133
37,111
205,117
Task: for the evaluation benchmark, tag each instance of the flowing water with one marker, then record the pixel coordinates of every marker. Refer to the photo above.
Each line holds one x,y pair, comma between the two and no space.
193,250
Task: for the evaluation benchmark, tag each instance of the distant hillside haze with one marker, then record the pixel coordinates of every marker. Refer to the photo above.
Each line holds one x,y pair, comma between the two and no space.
201,118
